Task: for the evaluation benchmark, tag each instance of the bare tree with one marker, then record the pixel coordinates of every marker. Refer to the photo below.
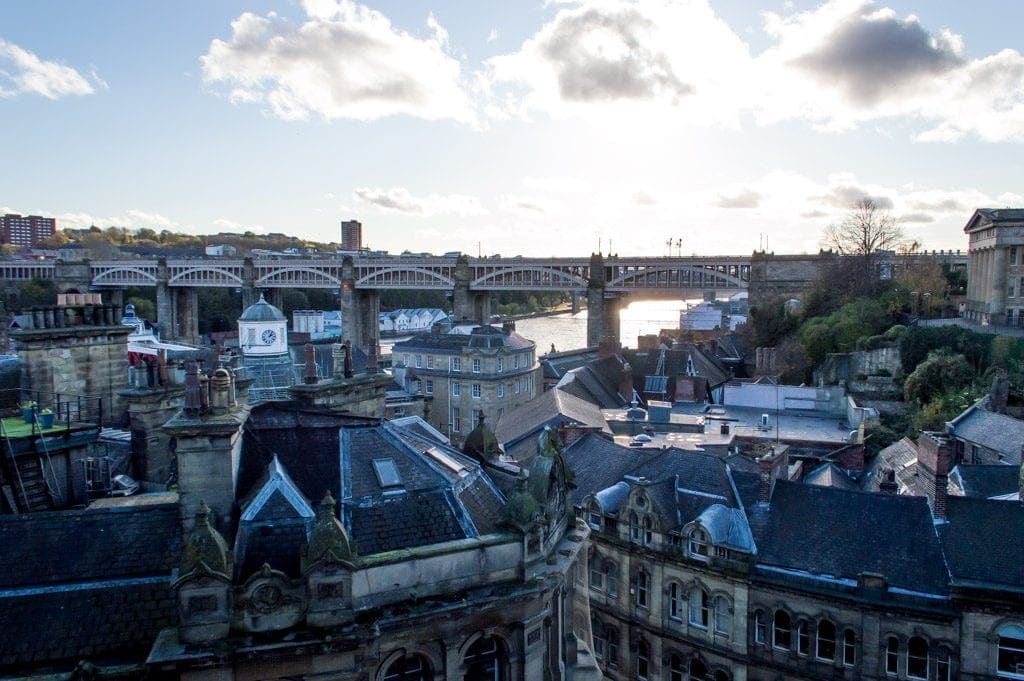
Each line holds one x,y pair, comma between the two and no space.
862,237
865,231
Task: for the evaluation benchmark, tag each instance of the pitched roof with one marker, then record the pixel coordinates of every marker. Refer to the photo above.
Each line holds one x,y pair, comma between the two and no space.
983,540
986,480
897,457
553,407
838,534
830,475
597,382
997,432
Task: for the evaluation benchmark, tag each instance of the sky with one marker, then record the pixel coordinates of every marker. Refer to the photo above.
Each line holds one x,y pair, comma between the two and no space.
519,128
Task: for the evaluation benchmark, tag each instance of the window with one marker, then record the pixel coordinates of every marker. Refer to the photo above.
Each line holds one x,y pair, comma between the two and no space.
456,364
676,668
428,387
501,364
634,528
643,660
648,530
1010,289
612,644
699,608
917,658
722,676
596,576
760,627
642,589
611,579
849,648
456,389
456,420
419,361
476,417
943,668
594,517
251,337
826,641
675,602
387,472
515,361
892,656
476,390
698,545
407,360
599,639
1013,255
723,617
476,365
485,659
803,640
408,668
781,633
501,390
430,361
516,387
698,670
1010,658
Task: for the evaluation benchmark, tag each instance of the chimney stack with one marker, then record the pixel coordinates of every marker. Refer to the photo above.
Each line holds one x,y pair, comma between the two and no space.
1000,392
887,484
772,464
309,378
934,455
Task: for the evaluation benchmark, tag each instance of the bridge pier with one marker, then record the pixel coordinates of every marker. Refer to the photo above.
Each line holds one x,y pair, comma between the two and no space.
249,293
360,311
275,297
575,297
467,305
186,315
164,302
602,306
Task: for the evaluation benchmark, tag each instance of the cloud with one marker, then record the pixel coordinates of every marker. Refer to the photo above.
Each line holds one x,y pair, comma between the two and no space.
922,218
642,198
875,55
345,61
399,200
745,198
25,73
846,196
607,52
493,35
525,206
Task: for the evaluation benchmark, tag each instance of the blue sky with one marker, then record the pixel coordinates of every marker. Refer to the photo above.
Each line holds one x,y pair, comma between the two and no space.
517,128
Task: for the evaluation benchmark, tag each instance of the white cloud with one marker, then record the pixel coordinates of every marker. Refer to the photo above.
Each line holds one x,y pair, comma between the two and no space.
558,185
530,207
24,72
345,61
399,200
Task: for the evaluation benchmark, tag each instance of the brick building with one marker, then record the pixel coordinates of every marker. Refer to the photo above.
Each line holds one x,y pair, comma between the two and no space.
26,230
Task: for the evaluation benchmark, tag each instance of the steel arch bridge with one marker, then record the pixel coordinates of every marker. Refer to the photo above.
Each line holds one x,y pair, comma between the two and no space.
664,276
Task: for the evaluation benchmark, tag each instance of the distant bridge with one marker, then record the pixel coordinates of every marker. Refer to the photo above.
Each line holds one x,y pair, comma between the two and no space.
604,280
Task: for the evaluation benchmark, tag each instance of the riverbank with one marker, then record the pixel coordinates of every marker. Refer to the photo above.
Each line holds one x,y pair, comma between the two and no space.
550,312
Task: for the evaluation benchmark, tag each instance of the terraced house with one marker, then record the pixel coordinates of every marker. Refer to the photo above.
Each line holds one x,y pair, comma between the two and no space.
703,569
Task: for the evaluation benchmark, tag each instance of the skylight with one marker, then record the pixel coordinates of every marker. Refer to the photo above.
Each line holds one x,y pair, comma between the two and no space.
387,473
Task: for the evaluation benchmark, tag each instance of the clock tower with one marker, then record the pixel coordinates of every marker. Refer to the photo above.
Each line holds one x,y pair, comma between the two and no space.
263,340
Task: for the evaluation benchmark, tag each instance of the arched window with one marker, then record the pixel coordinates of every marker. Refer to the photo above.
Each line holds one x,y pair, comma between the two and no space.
648,534
698,670
643,660
611,638
698,544
676,668
642,589
1010,658
597,573
485,660
611,579
892,656
699,607
634,528
408,668
675,602
803,639
849,648
826,643
723,616
943,666
600,640
917,658
760,627
722,676
595,516
782,636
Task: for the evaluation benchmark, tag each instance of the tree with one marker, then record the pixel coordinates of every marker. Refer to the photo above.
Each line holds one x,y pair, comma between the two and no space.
941,373
863,235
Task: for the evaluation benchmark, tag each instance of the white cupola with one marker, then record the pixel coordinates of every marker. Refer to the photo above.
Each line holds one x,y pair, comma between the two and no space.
262,330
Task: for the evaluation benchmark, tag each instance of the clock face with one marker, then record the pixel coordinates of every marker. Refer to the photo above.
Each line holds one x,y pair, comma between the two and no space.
268,336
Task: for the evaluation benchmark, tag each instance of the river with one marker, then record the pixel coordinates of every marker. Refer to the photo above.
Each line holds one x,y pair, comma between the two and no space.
568,331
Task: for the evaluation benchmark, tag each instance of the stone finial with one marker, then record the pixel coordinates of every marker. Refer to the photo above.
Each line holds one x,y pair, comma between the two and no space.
328,538
348,359
310,376
481,443
338,353
193,391
522,509
220,391
205,547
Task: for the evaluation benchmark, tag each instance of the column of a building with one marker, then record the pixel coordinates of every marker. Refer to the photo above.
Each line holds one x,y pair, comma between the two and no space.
986,282
997,296
972,282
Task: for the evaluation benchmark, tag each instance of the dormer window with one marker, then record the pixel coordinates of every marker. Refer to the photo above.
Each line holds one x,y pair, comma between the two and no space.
698,544
594,517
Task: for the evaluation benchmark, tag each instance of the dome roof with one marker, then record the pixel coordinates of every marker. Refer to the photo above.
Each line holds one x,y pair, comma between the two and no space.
262,311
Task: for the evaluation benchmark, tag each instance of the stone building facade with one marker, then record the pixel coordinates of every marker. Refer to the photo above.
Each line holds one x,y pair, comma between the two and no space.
486,372
995,275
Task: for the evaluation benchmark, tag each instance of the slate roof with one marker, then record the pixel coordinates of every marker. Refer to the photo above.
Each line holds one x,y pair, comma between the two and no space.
553,407
900,456
599,463
441,494
110,567
480,338
705,364
986,481
597,382
829,532
556,364
983,541
830,475
997,432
